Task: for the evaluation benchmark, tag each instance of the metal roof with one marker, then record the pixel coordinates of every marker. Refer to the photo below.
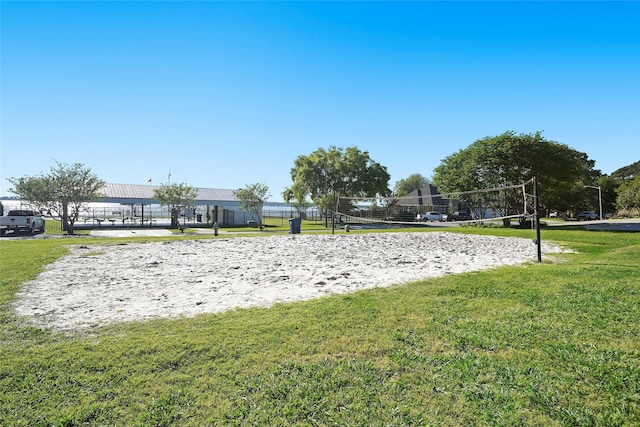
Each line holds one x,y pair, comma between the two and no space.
134,193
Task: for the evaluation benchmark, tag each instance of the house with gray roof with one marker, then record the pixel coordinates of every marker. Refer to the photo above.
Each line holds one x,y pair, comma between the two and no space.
425,199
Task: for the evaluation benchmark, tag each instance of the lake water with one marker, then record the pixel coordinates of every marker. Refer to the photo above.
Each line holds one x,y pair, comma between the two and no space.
106,210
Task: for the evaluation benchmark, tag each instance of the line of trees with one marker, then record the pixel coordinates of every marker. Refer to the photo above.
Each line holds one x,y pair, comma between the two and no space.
320,178
495,161
626,183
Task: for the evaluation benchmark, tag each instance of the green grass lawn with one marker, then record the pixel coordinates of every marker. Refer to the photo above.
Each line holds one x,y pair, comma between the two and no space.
553,344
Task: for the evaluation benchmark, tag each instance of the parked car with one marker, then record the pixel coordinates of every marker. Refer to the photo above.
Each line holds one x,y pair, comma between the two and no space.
460,216
587,215
431,216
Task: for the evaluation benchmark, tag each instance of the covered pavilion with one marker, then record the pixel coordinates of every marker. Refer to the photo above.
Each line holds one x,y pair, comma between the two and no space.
219,205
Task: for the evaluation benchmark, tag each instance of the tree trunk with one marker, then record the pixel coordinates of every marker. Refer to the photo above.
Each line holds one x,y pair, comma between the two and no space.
65,219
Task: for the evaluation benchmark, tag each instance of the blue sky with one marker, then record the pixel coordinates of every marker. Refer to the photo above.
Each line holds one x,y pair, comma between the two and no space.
225,94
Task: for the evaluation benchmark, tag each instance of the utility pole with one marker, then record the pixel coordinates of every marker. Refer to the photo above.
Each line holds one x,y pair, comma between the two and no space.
599,196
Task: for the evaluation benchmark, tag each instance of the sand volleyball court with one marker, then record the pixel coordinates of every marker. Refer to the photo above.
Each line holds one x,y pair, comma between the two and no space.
101,284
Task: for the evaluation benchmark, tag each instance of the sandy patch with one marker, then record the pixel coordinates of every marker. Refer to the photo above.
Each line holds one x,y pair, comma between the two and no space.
101,284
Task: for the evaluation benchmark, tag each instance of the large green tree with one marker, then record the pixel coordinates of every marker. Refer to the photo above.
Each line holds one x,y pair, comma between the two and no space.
411,183
325,175
252,198
611,190
176,197
608,187
511,159
628,200
62,193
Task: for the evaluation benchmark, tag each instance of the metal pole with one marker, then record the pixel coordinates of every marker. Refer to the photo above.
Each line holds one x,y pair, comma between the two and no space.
537,219
600,198
333,216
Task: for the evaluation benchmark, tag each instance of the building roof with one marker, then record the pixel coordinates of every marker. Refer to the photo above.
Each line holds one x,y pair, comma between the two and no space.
425,196
136,194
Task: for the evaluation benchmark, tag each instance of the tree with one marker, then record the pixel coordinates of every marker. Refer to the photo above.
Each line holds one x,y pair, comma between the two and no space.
608,187
511,159
299,204
252,197
176,197
63,192
325,175
411,183
628,199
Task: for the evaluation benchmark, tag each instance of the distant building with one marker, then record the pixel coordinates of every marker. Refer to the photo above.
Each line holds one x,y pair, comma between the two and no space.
212,204
425,199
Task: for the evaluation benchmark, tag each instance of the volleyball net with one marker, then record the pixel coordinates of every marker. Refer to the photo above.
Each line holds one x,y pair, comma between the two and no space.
503,203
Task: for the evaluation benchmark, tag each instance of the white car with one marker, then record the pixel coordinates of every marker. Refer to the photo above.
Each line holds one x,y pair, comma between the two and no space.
587,215
431,216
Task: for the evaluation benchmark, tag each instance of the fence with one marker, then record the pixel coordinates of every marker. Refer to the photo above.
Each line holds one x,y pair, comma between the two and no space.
101,214
285,215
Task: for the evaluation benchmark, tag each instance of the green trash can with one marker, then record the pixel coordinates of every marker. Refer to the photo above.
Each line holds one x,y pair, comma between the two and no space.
294,225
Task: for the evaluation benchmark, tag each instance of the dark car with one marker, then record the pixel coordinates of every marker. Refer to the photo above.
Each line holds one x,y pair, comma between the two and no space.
459,216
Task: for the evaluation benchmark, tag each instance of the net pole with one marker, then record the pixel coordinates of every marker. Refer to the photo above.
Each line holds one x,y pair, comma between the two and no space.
333,217
537,217
333,223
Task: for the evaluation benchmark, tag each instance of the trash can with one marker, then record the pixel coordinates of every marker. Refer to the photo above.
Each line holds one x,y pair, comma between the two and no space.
199,217
294,225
